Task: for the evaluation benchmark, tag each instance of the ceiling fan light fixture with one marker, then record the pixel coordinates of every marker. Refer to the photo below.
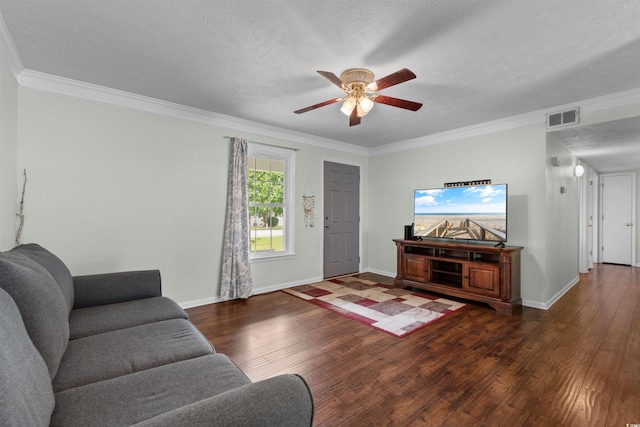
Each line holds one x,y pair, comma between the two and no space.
364,106
348,105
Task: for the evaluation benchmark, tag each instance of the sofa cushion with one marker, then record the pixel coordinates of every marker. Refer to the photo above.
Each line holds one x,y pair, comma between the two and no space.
111,317
125,351
26,396
111,288
53,265
136,397
41,304
283,401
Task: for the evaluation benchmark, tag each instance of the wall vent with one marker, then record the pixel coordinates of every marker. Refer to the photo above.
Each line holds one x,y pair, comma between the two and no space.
564,118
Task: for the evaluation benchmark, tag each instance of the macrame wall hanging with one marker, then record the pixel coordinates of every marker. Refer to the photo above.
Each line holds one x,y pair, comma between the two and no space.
309,204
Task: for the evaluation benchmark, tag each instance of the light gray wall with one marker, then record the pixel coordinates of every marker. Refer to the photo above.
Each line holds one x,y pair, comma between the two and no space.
114,189
309,241
562,213
616,114
8,148
515,157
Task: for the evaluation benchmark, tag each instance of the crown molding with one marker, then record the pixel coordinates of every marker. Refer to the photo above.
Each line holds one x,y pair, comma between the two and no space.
606,103
588,107
48,83
8,50
461,133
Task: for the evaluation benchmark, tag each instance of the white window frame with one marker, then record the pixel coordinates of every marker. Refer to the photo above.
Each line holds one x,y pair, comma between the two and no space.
288,156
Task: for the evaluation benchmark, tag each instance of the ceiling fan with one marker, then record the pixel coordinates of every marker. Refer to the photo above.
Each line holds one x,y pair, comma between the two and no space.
360,88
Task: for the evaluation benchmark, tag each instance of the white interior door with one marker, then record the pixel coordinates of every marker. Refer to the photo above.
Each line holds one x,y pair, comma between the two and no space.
618,201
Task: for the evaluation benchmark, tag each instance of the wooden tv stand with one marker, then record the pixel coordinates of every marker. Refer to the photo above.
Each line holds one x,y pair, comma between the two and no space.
475,271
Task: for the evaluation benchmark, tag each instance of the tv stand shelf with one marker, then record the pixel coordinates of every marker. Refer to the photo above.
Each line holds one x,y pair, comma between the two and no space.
473,271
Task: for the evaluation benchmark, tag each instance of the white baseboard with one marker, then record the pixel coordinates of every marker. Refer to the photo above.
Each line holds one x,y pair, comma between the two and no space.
380,272
258,291
280,286
527,303
198,303
547,305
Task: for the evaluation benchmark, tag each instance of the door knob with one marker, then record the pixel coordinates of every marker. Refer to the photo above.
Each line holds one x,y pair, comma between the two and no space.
326,226
629,224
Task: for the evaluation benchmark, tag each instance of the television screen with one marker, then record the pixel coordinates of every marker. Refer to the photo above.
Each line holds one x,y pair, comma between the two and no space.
477,212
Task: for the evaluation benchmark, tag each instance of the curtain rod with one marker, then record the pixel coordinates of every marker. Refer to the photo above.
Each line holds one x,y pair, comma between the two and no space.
263,143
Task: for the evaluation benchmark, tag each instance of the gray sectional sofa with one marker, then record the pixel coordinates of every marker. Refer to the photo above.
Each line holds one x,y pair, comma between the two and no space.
110,350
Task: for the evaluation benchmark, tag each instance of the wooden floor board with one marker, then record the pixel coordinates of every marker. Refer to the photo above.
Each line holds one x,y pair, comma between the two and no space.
594,399
626,394
577,363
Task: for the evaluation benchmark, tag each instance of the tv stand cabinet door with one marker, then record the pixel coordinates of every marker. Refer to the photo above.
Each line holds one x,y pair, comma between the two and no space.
415,268
482,279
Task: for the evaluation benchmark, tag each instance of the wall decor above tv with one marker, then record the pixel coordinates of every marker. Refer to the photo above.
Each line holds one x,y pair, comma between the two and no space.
475,212
465,183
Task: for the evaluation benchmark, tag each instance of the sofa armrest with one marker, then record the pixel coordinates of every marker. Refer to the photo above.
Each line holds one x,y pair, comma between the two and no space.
110,288
283,401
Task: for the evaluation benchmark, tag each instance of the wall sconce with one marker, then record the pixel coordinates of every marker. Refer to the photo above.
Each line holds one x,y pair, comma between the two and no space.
579,171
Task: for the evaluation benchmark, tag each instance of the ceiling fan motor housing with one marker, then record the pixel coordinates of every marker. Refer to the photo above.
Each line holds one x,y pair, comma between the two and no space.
356,75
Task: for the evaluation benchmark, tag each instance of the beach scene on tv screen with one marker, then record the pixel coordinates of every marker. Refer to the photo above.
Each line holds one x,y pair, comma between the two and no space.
472,213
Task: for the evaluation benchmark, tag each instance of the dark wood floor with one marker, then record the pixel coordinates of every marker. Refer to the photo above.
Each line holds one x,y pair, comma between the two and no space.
576,364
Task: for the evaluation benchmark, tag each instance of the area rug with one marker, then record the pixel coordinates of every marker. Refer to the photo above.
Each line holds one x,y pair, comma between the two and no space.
396,311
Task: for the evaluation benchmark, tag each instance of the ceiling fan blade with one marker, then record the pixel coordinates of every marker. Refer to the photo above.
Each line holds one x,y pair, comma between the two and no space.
322,104
392,79
354,119
396,102
332,78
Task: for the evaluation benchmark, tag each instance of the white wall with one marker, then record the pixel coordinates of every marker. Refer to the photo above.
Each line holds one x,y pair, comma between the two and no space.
308,263
637,218
513,157
616,114
8,147
562,213
114,189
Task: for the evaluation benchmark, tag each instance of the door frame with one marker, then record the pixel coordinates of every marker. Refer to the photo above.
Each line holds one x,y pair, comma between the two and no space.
634,216
588,234
360,245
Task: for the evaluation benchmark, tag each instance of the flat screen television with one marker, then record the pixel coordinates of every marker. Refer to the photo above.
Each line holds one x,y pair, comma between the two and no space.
475,212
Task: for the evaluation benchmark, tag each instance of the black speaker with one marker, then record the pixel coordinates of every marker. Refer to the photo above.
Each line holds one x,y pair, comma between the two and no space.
408,232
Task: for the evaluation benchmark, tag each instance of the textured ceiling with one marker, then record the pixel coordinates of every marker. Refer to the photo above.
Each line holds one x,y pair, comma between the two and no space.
610,146
476,61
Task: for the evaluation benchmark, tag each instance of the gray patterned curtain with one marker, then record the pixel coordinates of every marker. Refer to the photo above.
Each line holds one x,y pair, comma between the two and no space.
236,272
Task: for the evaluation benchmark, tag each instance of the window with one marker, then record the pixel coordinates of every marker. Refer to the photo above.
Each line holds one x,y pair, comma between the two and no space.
270,201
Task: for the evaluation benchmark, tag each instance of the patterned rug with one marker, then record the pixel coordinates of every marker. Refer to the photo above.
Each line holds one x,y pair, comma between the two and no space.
396,311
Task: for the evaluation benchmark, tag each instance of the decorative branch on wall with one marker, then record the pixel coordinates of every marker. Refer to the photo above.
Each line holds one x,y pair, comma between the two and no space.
20,213
309,205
